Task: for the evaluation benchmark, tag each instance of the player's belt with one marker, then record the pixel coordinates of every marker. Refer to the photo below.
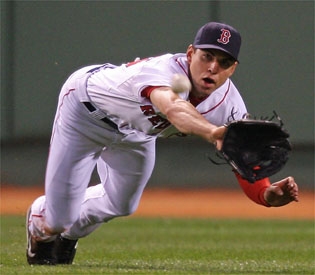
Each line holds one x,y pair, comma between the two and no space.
92,109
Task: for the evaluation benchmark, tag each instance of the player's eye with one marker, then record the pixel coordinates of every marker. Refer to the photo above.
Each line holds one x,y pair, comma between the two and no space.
207,56
225,63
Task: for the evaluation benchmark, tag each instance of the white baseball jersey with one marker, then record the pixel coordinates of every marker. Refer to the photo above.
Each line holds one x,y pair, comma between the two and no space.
105,118
119,93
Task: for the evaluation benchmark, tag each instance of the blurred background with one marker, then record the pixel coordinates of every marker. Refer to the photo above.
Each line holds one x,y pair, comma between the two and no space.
43,42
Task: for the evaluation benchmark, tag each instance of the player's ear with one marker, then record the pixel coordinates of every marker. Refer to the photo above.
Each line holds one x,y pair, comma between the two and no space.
233,68
189,53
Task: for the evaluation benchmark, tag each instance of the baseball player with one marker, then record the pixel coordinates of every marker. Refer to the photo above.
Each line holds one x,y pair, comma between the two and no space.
110,117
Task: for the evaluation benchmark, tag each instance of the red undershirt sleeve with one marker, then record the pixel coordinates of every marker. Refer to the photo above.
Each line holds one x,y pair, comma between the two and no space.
254,191
146,92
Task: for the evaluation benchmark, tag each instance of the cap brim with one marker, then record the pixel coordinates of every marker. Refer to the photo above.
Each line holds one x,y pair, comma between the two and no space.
210,46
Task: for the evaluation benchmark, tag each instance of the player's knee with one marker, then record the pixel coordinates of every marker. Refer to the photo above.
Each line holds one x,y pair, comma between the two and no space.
126,210
119,213
122,211
54,230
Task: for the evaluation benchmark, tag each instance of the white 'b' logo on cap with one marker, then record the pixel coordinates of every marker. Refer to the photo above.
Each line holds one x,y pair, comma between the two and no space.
225,36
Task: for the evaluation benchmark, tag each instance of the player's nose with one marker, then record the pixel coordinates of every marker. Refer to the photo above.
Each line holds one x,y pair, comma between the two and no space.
213,66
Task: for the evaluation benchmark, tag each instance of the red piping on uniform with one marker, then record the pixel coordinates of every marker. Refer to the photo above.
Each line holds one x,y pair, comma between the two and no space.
59,107
180,65
220,101
37,216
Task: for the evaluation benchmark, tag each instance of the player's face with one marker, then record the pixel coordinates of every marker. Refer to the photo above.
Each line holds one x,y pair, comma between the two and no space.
209,69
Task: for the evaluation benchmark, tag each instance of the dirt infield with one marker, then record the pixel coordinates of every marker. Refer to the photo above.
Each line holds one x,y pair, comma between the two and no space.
202,203
180,203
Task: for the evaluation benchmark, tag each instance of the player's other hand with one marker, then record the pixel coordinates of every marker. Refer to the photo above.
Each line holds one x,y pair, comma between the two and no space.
282,192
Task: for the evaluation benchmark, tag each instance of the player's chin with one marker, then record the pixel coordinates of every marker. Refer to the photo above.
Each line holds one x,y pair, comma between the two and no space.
206,90
208,87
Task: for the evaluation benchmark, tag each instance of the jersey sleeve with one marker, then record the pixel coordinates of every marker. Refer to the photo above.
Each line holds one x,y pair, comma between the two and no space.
255,191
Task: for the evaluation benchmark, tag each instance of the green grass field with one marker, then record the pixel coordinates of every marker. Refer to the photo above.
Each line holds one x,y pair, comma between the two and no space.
176,246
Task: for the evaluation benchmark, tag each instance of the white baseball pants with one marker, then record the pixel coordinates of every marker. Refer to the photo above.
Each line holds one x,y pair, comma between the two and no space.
80,141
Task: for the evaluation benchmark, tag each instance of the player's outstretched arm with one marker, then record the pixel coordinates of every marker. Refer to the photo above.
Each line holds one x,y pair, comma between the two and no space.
184,116
282,192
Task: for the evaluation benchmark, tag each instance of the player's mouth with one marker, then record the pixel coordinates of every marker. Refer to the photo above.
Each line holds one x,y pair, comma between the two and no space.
208,81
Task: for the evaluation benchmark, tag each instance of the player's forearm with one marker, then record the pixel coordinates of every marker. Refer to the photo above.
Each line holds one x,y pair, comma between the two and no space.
184,116
255,191
188,121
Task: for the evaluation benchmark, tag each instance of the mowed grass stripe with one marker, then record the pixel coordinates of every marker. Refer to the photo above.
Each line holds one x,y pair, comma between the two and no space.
176,246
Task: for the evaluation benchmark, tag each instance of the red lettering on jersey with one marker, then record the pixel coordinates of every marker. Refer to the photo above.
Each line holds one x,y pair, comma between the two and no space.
147,110
225,36
164,124
155,120
159,122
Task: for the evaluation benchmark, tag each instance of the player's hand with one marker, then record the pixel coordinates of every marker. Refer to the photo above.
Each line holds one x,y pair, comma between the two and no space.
282,192
217,135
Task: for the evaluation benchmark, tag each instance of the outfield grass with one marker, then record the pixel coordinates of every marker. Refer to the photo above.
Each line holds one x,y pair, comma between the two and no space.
176,246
